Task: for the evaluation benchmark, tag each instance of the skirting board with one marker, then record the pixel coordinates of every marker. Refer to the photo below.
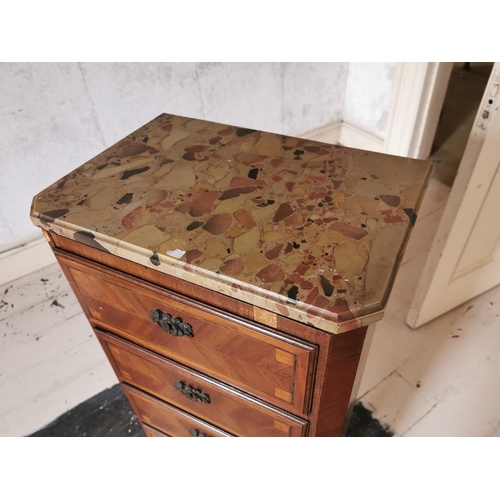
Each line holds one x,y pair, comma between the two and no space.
37,254
24,260
329,133
356,138
345,134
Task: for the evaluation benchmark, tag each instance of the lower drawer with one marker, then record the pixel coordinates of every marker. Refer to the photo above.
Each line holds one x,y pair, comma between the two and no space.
210,400
152,432
168,419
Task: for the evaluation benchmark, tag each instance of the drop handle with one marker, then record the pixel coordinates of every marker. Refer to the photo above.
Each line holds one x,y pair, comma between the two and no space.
170,324
191,393
197,433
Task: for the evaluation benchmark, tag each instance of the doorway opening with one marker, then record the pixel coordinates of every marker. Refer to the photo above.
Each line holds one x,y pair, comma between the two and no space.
463,97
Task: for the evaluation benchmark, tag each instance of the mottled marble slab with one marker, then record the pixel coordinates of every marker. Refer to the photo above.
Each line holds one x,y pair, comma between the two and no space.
307,230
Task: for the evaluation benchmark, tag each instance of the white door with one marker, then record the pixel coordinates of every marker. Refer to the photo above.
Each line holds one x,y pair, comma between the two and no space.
465,257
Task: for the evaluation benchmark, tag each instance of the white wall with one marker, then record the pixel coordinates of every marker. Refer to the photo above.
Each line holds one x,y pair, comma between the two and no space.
54,117
368,95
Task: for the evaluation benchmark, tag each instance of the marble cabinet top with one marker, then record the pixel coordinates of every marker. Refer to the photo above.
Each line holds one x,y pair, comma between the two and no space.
306,230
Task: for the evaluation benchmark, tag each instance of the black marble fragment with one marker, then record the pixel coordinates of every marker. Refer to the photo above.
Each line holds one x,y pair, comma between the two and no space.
134,171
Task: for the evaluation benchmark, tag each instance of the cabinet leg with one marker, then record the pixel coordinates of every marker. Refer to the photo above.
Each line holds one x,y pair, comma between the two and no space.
359,373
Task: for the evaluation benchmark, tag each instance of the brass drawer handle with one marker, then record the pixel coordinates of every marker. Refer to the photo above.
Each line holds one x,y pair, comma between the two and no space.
174,326
197,433
191,393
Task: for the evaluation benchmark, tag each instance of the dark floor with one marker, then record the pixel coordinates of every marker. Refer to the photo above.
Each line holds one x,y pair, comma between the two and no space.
109,414
463,96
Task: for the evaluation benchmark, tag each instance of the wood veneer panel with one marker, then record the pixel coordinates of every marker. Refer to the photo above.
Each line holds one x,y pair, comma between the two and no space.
227,408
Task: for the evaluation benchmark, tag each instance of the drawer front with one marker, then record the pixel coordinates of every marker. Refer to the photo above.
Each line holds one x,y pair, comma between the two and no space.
168,419
259,360
207,399
152,432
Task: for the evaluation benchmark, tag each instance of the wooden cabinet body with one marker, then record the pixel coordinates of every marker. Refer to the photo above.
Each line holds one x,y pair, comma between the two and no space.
265,342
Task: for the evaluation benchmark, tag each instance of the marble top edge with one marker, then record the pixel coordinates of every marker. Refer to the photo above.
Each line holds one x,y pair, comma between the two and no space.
307,230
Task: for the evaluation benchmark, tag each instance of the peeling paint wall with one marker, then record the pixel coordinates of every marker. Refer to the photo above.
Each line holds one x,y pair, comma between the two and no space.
54,117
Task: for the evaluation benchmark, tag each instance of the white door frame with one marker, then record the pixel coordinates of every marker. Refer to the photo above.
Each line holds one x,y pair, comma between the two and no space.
417,99
417,316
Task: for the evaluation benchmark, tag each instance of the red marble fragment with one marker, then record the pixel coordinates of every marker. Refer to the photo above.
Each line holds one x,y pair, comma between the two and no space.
218,224
215,140
312,295
306,285
192,255
244,218
271,273
315,195
294,220
274,252
341,308
289,248
242,181
167,127
233,193
336,184
160,207
348,230
391,218
249,158
233,267
226,131
282,310
391,200
203,203
321,301
277,178
283,211
183,208
156,196
129,220
276,162
302,268
289,186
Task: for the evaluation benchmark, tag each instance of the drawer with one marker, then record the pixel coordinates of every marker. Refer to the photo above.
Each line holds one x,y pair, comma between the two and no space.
152,432
259,360
197,394
168,419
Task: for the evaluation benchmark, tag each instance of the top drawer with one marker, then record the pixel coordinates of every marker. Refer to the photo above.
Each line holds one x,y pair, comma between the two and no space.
266,363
